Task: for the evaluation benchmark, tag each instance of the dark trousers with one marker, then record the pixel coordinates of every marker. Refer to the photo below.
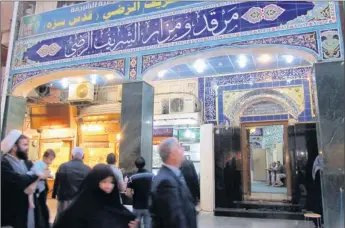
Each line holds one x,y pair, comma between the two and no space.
41,210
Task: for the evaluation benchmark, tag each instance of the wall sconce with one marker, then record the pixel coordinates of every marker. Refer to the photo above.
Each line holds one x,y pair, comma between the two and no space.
118,137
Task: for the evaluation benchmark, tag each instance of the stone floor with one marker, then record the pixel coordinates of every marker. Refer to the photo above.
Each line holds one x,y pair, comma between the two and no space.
207,220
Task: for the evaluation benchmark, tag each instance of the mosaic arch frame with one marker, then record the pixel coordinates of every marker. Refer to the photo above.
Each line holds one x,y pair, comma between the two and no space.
303,43
210,88
234,111
117,66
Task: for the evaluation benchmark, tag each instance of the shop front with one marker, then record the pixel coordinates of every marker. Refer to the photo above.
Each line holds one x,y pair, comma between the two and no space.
99,138
251,64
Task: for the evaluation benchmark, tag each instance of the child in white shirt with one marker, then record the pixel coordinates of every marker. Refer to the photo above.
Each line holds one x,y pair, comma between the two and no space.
38,167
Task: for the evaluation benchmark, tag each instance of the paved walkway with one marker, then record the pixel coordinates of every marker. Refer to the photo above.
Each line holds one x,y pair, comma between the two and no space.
207,220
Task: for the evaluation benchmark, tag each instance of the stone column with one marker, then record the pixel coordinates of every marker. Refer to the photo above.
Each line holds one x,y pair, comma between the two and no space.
329,80
207,182
136,124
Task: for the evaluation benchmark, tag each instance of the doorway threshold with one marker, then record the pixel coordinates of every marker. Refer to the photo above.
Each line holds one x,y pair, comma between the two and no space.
257,213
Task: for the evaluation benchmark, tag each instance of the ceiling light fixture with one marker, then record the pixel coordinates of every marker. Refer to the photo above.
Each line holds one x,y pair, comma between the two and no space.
242,61
79,80
110,76
264,58
94,79
199,65
288,58
64,83
162,73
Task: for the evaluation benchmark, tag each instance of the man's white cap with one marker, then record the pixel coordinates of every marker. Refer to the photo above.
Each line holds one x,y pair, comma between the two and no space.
78,151
8,142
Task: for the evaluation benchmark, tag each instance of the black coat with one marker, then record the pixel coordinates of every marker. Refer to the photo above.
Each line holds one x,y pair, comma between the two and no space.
68,179
14,202
172,204
188,170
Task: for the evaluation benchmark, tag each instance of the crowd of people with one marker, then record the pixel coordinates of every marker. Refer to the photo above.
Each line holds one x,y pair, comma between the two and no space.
91,197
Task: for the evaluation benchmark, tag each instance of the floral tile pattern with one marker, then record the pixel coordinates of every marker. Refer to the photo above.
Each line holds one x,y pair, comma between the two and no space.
115,64
306,40
211,84
133,68
236,19
234,99
330,42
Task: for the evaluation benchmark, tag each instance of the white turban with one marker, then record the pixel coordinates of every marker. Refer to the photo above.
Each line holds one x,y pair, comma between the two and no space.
8,142
78,151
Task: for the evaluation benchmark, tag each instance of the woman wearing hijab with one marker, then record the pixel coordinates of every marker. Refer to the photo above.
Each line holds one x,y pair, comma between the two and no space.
317,169
97,204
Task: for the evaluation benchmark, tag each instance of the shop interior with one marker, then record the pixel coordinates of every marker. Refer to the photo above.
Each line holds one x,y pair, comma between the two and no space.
190,141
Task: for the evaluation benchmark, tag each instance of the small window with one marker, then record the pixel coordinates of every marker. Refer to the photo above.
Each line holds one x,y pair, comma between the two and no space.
29,8
62,4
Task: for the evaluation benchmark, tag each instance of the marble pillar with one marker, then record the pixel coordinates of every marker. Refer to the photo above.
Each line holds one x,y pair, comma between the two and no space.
136,124
14,114
329,80
207,189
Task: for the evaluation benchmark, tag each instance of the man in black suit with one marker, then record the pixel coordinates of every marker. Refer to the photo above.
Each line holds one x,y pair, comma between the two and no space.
189,173
172,203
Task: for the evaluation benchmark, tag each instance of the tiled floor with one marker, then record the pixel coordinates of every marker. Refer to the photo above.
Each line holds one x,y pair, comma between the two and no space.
207,220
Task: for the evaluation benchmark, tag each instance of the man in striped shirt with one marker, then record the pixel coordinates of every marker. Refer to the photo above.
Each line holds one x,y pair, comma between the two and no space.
139,185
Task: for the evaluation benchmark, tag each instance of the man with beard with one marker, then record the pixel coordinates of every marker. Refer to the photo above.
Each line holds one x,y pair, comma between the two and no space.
15,179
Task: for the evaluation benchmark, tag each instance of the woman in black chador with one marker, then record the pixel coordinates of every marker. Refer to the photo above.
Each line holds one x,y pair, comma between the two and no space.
232,181
97,204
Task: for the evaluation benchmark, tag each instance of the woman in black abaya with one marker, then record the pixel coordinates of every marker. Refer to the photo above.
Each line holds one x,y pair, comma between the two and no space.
98,204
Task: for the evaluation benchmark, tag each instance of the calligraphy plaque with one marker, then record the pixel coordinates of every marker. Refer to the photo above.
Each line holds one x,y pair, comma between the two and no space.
91,13
182,27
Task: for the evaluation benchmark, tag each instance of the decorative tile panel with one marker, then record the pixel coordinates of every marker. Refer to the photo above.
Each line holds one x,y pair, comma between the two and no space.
133,68
306,40
116,64
264,108
330,42
273,79
269,13
183,27
235,99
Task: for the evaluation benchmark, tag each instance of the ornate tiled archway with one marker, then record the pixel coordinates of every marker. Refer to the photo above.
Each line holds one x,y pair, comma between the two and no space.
235,109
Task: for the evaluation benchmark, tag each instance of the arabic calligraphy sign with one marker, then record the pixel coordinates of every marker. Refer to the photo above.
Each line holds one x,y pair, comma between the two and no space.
90,13
210,22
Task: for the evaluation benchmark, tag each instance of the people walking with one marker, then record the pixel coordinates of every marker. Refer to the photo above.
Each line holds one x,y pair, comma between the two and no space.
189,173
172,203
15,179
97,205
111,160
68,179
139,187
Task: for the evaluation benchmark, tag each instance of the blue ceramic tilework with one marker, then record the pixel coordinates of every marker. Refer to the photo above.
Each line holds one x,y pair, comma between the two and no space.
201,88
183,27
212,83
117,65
306,115
264,118
254,81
